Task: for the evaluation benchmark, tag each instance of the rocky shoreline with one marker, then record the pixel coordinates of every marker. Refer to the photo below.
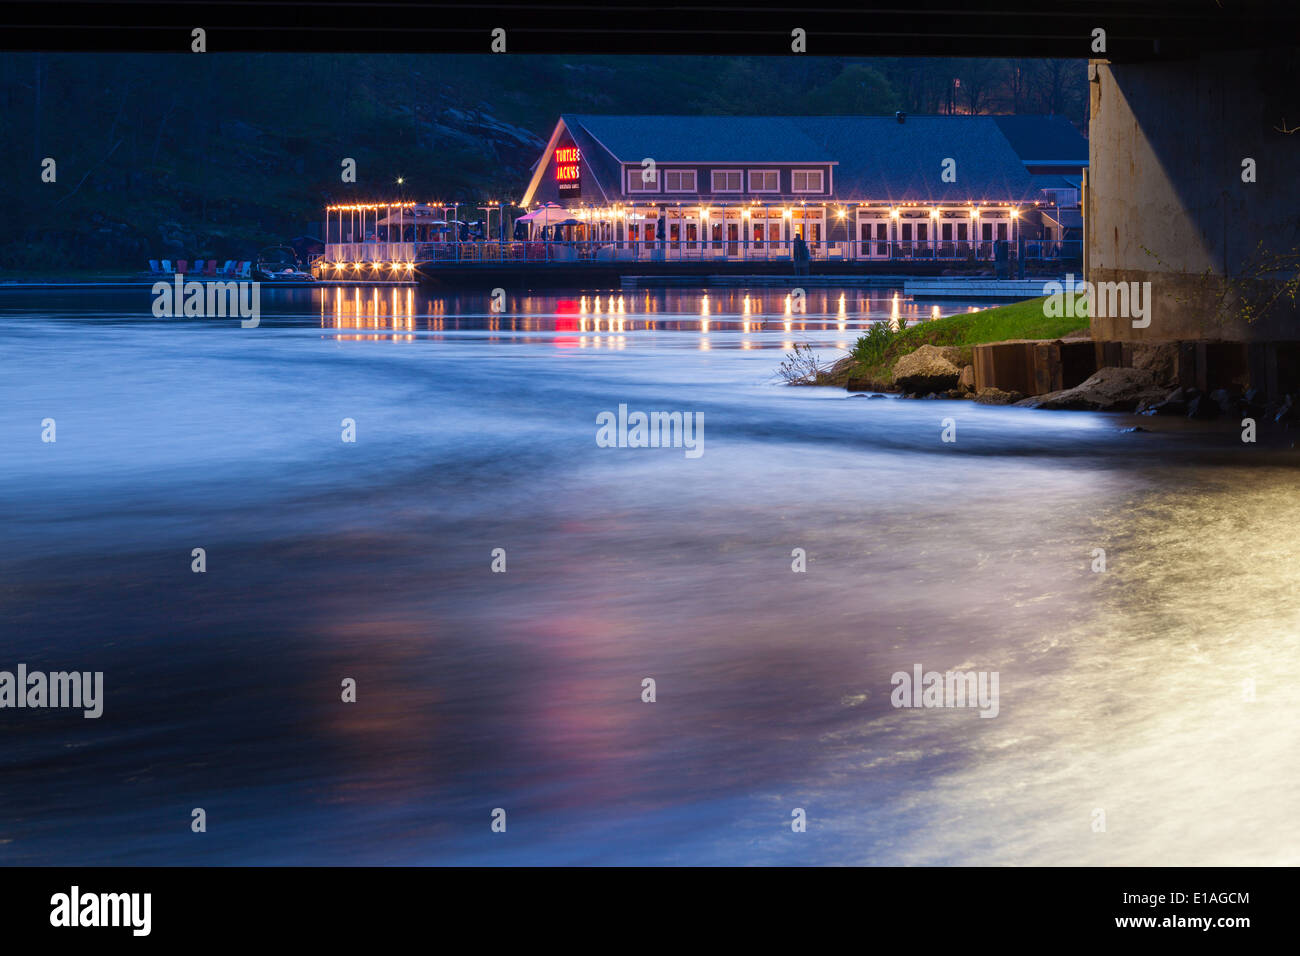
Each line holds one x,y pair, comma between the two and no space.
1148,387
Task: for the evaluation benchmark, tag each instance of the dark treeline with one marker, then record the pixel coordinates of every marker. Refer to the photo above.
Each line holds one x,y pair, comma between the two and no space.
211,155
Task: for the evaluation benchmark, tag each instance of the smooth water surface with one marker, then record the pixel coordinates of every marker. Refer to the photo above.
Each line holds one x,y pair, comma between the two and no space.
1123,690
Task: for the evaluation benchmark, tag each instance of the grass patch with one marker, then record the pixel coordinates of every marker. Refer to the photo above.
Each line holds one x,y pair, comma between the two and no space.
875,353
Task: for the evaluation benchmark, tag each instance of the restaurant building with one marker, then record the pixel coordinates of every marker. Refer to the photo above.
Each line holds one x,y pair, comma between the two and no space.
916,194
854,187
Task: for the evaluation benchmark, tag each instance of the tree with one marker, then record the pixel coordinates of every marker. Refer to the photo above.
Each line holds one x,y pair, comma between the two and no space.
980,78
857,89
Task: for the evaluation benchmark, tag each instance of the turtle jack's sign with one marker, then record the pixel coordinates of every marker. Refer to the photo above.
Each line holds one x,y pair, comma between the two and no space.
568,171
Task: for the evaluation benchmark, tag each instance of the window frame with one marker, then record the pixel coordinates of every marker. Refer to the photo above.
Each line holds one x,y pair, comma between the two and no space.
646,187
695,180
713,187
821,180
764,172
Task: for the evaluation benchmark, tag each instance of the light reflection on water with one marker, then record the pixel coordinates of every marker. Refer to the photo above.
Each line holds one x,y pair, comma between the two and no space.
397,310
1120,691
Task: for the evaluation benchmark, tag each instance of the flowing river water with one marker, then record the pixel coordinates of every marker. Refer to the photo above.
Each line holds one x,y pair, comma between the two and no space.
1158,692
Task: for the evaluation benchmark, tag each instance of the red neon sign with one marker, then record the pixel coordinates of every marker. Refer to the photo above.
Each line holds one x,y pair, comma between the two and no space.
567,169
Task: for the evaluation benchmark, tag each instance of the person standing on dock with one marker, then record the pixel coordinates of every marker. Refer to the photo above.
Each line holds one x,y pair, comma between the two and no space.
800,256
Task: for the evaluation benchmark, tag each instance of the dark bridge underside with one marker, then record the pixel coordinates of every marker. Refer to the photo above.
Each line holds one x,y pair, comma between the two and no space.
1136,30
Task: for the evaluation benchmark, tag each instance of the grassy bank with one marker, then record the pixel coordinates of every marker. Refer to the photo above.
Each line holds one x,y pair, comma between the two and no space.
874,354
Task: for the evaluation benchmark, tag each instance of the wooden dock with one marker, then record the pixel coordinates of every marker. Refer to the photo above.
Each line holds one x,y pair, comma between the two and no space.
961,287
149,284
783,281
975,287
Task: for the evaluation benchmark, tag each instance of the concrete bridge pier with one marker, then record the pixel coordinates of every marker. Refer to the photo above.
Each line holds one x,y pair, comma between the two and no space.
1194,174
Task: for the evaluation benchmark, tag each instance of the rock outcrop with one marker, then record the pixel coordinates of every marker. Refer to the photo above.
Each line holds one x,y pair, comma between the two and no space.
1107,390
1160,359
996,396
926,370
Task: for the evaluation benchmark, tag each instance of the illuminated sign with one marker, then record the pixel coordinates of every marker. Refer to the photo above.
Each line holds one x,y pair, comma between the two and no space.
568,171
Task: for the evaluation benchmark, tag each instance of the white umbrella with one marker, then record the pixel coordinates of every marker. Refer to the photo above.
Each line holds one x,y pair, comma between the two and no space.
548,215
410,217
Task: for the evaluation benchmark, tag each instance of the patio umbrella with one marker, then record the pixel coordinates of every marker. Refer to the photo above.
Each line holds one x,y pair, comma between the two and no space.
549,215
415,216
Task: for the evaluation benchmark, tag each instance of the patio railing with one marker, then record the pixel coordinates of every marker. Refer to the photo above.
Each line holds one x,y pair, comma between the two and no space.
493,251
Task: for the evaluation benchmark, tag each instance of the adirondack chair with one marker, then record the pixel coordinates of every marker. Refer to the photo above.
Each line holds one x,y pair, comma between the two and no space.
182,265
167,266
154,268
211,269
245,269
198,267
229,268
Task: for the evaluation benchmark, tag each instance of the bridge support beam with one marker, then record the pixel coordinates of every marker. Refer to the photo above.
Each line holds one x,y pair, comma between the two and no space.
1168,197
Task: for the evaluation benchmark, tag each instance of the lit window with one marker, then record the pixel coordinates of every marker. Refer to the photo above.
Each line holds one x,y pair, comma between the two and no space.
806,180
728,181
764,181
642,180
679,180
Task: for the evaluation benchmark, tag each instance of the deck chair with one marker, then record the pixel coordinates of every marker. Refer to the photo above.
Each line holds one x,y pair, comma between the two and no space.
167,266
244,268
154,268
198,267
182,265
211,270
229,268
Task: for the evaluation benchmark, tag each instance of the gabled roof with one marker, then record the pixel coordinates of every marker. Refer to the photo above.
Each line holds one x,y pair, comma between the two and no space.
701,139
594,157
874,157
609,174
1044,139
881,158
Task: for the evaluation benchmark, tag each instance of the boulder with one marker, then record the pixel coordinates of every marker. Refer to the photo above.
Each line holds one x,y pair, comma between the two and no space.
1225,399
1161,360
1175,403
1286,412
926,370
1252,404
996,396
1108,389
966,379
1203,407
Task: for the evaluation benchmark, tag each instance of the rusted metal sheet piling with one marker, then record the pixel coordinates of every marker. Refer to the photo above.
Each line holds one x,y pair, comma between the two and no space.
1035,367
